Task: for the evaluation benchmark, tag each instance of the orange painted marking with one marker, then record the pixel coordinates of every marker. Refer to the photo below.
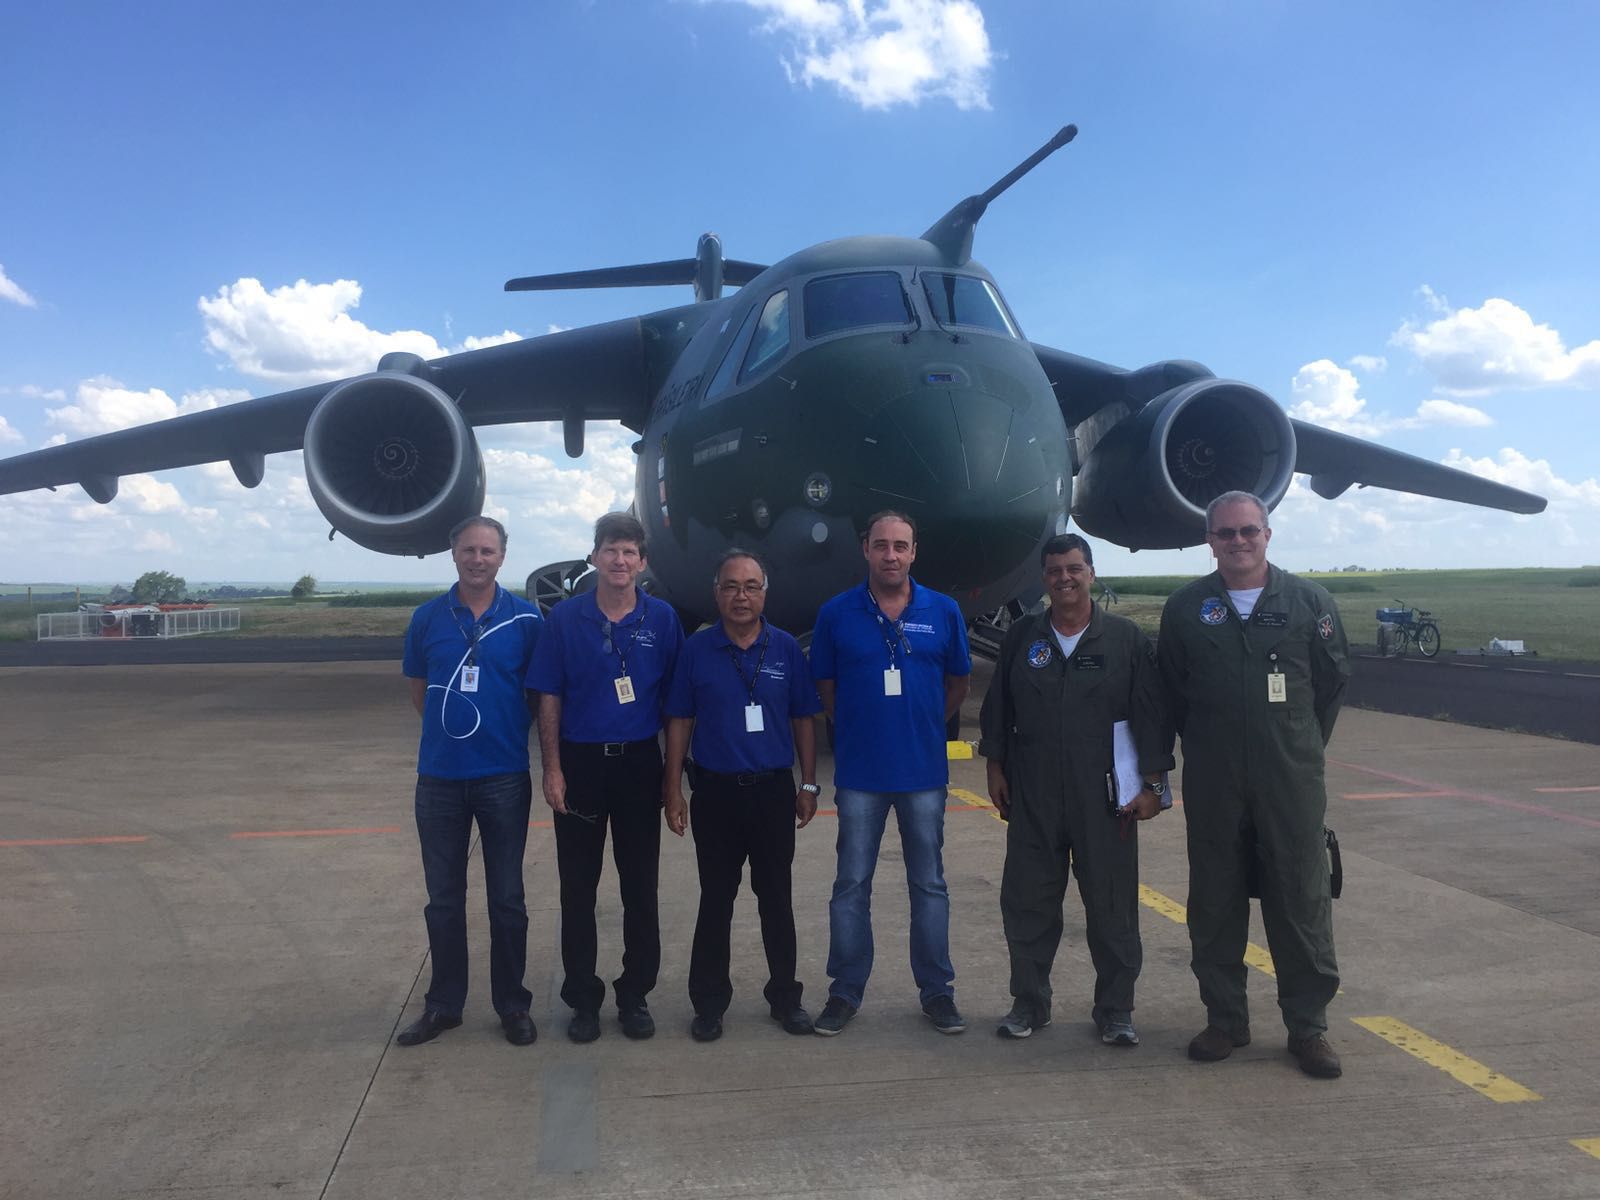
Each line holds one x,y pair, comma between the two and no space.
1568,790
83,841
1475,797
288,833
1392,795
541,824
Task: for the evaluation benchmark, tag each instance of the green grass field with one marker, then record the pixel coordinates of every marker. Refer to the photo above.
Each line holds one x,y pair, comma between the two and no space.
1555,611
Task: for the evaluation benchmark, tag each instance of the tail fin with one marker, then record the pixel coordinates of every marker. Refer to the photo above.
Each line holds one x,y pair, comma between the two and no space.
706,272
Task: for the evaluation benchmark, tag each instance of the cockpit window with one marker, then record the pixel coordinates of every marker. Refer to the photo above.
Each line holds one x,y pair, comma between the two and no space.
723,379
965,300
771,337
853,301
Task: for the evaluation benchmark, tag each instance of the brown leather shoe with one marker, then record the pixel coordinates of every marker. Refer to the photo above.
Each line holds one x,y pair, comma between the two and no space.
1316,1057
1213,1045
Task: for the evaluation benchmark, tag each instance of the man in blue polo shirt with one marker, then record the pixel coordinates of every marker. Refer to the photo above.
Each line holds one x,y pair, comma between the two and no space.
892,666
746,690
466,655
601,670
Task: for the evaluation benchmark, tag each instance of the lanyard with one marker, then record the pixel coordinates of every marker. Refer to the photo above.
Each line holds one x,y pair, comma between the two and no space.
622,651
473,638
886,627
750,684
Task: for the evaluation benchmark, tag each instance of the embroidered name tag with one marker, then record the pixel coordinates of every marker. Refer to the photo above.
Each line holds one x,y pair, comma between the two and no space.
1273,620
1089,662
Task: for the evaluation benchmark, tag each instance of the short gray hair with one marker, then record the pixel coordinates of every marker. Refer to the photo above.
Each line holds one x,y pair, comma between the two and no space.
1237,498
487,522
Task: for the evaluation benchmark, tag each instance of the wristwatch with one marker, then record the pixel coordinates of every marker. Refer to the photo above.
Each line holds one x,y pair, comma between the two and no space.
1157,789
812,788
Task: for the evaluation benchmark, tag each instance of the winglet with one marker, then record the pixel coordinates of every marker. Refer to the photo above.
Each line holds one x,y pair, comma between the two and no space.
952,233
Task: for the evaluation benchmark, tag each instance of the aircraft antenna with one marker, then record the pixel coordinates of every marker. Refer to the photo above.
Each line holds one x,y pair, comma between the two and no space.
952,233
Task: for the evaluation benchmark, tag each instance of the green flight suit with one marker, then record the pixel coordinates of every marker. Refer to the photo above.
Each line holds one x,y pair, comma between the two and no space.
1047,720
1253,795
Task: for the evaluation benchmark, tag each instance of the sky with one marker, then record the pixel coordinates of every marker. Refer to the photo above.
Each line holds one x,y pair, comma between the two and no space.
1382,215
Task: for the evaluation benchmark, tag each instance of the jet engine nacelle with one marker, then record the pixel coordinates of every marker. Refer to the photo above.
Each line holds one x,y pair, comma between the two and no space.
392,463
1147,482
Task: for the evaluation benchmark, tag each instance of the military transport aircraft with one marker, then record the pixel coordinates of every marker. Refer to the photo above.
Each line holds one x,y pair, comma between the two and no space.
856,375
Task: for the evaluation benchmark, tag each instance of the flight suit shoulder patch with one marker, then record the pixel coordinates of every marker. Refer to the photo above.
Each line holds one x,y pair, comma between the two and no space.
1325,627
1213,611
1040,654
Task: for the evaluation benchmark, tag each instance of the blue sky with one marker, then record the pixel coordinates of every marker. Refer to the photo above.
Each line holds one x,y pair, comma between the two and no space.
1382,215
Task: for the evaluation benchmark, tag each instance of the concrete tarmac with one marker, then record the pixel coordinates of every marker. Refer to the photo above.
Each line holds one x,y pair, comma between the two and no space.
210,925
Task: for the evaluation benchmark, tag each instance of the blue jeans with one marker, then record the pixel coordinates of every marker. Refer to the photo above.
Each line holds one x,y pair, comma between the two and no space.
862,816
446,809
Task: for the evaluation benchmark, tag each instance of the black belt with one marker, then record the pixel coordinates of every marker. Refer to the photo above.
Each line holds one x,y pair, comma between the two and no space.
614,749
740,778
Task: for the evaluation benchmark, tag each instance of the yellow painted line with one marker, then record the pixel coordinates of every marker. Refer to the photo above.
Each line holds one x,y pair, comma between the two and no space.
958,749
1254,955
1481,1079
1588,1145
975,800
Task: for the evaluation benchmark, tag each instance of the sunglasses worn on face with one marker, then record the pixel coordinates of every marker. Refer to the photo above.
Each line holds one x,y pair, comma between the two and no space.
1228,533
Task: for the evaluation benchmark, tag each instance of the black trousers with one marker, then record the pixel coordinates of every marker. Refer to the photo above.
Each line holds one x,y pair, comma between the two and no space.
731,824
624,791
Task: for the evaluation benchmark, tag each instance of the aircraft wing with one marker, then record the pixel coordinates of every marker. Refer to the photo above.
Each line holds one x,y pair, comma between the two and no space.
1122,409
600,372
1336,461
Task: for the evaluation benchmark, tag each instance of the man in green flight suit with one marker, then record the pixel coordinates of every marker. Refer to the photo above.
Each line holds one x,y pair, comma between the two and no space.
1255,665
1064,678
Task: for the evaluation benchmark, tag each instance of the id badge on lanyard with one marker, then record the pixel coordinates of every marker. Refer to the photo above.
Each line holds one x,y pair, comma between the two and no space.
469,679
891,681
624,685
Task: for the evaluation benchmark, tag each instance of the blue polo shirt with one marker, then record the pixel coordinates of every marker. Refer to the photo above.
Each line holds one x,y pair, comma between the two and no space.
582,655
713,683
889,743
469,735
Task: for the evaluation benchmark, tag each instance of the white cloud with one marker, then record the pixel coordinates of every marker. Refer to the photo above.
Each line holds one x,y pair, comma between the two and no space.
103,404
301,333
1372,364
494,339
12,291
8,434
1327,396
149,495
1495,346
1517,470
1448,412
886,53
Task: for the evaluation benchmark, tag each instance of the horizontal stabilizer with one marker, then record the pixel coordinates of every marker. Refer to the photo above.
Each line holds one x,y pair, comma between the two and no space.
677,270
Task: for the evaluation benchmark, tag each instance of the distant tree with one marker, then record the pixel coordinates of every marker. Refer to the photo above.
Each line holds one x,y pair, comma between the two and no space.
305,587
159,587
118,594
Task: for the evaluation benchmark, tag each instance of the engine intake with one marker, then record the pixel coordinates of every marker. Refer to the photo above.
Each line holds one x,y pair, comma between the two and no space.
392,463
1147,482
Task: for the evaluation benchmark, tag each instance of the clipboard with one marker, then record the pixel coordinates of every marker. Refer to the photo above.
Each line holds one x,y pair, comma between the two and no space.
1125,781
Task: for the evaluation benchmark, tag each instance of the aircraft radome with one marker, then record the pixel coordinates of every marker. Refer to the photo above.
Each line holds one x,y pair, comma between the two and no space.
855,375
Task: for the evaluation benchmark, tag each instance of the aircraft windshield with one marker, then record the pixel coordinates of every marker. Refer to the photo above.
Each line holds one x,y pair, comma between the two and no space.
964,300
771,337
853,301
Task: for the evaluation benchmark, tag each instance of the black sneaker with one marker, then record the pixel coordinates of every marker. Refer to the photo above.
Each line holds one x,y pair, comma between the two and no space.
794,1020
705,1029
1019,1022
835,1015
584,1026
636,1021
941,1010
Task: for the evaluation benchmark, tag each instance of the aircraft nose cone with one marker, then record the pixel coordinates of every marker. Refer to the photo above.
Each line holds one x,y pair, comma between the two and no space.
972,473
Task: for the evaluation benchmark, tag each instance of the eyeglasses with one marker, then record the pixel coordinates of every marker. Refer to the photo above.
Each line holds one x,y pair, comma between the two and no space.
741,589
1227,533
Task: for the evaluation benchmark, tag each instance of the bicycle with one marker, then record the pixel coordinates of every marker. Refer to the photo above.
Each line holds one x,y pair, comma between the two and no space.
1400,628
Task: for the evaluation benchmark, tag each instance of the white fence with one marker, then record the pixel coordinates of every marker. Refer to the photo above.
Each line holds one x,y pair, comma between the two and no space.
117,623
